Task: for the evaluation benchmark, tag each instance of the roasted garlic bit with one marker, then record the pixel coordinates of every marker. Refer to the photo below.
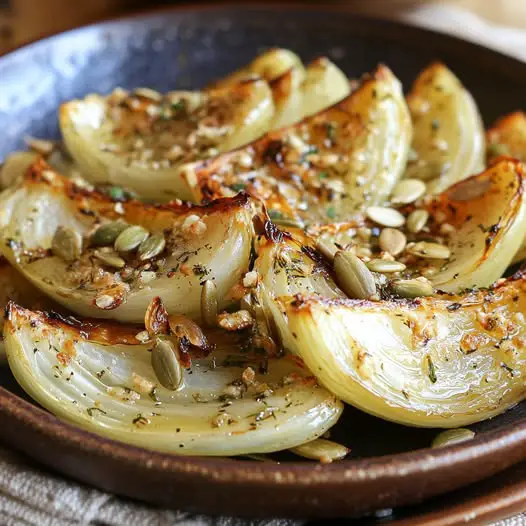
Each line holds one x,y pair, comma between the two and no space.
507,137
235,321
144,139
112,263
148,399
402,360
328,167
448,139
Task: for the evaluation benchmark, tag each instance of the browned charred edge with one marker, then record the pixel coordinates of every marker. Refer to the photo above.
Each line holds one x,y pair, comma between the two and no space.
271,143
425,76
74,192
105,332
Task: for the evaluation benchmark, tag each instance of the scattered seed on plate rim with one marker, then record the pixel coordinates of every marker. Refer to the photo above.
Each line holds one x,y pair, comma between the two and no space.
166,365
326,451
353,276
66,244
392,241
412,288
385,266
130,238
417,220
452,436
209,303
425,249
385,216
407,191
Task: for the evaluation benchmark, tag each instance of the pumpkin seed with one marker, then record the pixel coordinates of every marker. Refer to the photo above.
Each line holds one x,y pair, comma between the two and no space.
148,93
166,365
412,288
107,233
110,258
151,247
354,277
209,303
452,436
425,249
417,220
327,248
130,238
408,191
321,449
66,244
184,327
293,222
385,216
384,266
392,241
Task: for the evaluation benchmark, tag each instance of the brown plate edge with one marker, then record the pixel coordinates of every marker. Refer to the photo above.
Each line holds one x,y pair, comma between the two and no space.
305,489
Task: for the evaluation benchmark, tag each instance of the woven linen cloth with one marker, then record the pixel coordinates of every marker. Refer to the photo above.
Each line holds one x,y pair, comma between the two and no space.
30,496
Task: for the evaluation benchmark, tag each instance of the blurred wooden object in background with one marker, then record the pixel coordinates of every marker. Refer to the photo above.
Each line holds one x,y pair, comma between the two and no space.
24,20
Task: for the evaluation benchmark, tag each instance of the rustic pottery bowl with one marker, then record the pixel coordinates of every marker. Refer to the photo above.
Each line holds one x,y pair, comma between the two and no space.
390,465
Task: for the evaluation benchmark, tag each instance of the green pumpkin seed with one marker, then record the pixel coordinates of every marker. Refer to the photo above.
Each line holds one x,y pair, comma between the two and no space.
424,249
412,288
107,233
384,266
385,216
66,244
321,449
392,241
209,303
110,258
354,278
166,365
151,247
408,191
452,436
327,248
293,222
130,238
417,220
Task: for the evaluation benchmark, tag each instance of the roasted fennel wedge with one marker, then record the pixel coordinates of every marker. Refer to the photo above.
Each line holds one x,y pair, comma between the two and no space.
300,93
141,140
442,361
329,166
269,66
478,223
448,140
99,377
13,286
507,137
102,258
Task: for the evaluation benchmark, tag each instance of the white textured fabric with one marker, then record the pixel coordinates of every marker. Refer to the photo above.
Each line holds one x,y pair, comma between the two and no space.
32,497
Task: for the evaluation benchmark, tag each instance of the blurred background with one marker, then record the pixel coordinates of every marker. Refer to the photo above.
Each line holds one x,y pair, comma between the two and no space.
25,20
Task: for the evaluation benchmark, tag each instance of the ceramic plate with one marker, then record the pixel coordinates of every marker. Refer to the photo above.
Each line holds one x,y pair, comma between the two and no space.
390,465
